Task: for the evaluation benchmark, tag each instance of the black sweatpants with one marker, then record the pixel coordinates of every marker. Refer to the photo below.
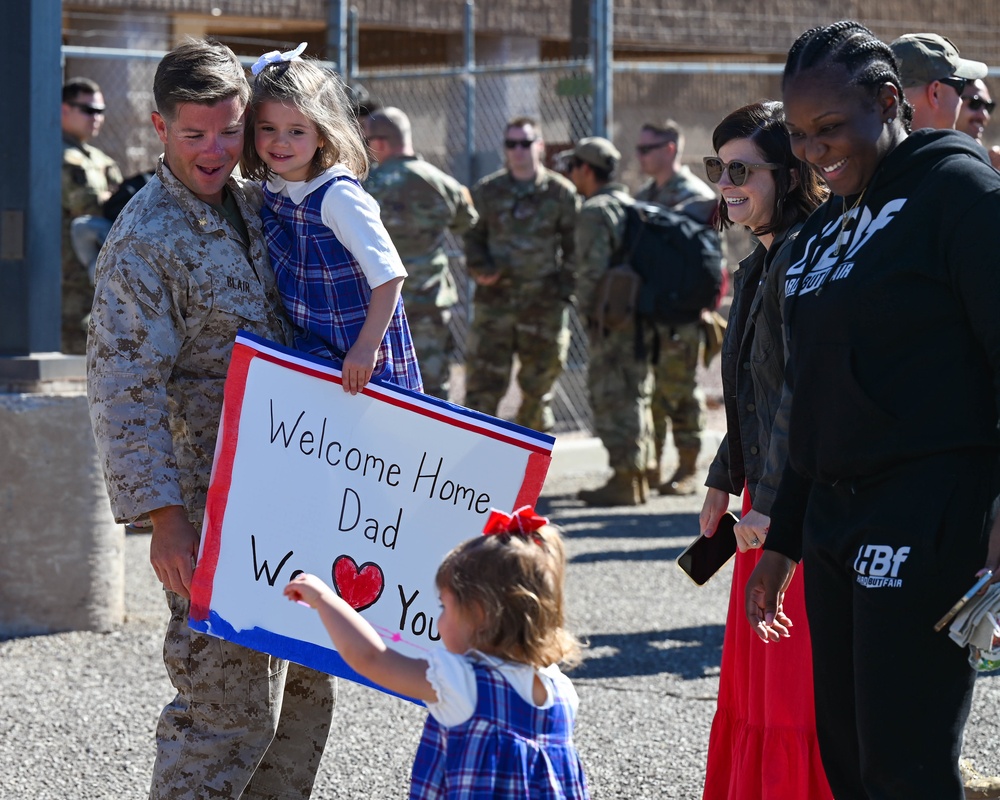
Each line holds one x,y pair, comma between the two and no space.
887,558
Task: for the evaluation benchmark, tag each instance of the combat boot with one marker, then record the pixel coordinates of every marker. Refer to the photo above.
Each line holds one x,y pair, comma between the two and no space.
624,488
976,785
654,472
685,480
654,476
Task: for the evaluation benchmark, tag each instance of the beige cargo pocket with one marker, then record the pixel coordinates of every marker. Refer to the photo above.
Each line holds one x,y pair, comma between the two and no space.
205,669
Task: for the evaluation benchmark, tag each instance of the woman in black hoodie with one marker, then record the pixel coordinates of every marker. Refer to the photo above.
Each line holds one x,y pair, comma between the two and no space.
763,740
893,339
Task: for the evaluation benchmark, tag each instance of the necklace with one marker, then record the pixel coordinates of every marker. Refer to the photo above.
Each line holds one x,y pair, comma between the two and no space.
843,220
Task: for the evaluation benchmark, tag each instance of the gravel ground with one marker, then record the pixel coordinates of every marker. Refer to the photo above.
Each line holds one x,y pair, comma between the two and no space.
78,710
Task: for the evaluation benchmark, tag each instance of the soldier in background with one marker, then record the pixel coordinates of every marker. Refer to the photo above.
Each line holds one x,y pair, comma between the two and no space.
89,177
620,380
974,116
934,77
676,395
520,254
419,204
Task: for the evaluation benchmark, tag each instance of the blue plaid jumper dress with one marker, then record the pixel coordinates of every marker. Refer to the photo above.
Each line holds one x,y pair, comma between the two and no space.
324,290
509,749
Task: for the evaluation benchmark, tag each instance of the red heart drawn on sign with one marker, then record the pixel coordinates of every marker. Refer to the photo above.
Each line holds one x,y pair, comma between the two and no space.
360,586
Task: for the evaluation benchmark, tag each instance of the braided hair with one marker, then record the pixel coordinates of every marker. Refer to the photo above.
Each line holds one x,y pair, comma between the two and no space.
869,61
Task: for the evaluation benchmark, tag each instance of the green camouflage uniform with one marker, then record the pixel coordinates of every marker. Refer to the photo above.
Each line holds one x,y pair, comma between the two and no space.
89,176
419,203
175,281
524,235
676,394
620,384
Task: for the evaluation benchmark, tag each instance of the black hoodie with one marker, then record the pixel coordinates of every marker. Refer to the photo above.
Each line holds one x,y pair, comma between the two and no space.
894,344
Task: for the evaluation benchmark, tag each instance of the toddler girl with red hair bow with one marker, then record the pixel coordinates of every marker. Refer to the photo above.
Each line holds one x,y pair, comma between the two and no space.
501,712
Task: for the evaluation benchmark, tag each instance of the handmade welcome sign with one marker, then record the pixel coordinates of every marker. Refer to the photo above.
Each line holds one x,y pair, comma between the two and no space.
367,491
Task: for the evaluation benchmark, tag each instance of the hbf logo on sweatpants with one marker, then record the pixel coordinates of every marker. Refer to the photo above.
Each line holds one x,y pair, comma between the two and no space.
878,565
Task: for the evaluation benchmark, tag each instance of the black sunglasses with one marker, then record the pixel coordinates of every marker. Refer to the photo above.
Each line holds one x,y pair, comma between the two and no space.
976,103
958,84
739,171
643,149
87,109
524,144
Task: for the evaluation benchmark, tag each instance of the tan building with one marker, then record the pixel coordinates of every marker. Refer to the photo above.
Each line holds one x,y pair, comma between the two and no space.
420,34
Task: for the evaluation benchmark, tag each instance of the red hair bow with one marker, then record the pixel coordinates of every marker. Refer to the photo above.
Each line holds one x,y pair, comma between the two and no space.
524,520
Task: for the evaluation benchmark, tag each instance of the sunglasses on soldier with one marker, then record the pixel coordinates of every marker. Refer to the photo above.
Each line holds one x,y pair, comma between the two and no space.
646,149
958,84
976,103
87,109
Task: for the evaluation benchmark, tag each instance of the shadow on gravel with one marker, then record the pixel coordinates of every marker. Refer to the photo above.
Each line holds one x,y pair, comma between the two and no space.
621,526
658,554
686,652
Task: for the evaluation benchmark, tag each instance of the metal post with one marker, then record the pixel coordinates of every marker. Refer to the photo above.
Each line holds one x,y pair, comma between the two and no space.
336,34
470,89
602,28
30,215
43,399
354,49
579,29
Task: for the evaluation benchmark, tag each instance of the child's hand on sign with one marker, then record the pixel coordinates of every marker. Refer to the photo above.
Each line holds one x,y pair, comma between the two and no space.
306,589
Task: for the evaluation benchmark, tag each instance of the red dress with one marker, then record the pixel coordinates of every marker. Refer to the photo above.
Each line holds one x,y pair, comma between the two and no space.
763,742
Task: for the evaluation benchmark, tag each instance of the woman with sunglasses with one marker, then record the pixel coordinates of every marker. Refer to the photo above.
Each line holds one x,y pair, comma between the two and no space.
763,740
893,342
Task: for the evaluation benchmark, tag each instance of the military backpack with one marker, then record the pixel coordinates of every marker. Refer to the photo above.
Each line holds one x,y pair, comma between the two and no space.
666,270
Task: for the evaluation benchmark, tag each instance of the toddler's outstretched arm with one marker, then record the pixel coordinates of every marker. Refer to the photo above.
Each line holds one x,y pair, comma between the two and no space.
359,643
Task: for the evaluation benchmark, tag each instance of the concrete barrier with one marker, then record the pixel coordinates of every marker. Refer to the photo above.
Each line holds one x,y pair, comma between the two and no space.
62,559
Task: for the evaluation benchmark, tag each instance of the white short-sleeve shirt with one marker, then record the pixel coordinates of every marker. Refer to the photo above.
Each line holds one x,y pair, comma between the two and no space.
354,217
454,680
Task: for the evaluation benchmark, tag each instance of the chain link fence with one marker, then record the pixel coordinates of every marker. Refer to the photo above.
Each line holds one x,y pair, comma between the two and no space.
458,116
458,119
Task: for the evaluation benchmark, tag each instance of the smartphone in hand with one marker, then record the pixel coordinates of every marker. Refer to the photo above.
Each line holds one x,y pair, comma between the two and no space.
706,555
965,598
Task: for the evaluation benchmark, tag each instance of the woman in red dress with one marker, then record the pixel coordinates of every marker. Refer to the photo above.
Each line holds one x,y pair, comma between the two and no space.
763,740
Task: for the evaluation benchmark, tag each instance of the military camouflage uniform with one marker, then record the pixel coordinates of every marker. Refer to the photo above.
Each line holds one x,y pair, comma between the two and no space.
620,383
89,176
419,203
175,281
524,235
676,394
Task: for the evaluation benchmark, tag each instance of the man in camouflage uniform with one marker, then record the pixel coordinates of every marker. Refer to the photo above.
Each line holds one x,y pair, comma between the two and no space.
89,177
419,204
183,269
619,379
520,254
676,395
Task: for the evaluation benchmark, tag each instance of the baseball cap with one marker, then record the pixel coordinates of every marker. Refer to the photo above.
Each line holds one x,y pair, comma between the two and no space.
927,57
598,152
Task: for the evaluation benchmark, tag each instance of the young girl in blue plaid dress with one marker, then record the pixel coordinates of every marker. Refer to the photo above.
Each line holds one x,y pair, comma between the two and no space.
336,268
501,711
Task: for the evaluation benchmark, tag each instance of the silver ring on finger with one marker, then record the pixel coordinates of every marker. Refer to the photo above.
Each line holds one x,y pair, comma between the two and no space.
755,542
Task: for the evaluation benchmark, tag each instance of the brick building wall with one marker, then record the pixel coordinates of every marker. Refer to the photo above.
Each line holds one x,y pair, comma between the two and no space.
261,9
762,30
418,33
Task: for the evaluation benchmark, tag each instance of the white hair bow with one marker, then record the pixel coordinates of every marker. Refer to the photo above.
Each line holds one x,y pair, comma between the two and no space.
276,57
